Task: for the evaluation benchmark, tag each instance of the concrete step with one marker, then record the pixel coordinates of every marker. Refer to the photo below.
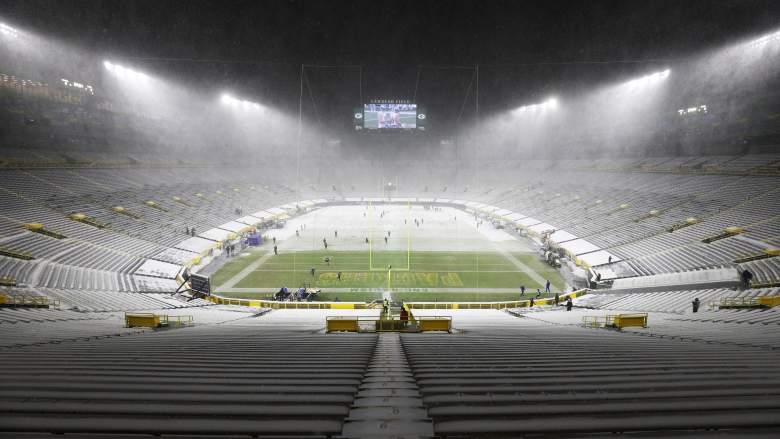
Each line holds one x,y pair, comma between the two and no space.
388,403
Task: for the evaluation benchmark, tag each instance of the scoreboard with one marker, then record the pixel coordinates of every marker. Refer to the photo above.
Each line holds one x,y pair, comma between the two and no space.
389,115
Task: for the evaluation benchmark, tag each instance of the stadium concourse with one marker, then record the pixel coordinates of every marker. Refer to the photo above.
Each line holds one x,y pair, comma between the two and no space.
75,370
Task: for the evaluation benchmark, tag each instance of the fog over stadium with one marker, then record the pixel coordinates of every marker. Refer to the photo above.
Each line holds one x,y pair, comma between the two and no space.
415,219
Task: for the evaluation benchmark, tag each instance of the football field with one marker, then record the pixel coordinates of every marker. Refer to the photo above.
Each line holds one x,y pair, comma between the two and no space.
449,270
433,255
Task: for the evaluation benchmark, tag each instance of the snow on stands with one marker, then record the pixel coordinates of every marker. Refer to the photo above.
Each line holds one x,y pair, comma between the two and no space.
496,375
216,234
195,244
503,375
154,268
176,256
234,226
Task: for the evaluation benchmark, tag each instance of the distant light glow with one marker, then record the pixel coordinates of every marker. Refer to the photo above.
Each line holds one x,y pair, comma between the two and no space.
649,79
227,99
125,73
766,39
548,104
700,109
13,81
8,31
73,84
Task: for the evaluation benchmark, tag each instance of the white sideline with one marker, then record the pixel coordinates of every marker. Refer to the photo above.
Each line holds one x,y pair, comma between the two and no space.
245,272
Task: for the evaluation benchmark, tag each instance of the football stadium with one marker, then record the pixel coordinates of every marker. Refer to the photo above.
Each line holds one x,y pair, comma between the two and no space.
423,219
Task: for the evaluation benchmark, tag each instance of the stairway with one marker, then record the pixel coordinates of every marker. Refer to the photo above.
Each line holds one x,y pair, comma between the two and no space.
388,402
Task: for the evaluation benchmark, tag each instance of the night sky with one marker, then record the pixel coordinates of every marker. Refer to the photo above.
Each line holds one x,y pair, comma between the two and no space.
525,50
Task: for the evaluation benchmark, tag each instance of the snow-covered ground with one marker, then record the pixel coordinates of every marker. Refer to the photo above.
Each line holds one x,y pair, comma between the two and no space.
445,230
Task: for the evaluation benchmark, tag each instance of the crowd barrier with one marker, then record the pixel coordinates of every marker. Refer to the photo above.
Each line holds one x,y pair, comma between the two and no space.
149,320
273,304
496,305
618,321
23,301
747,302
379,324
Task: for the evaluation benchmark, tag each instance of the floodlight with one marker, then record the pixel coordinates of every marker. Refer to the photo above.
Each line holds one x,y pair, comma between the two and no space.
227,99
765,39
8,30
124,72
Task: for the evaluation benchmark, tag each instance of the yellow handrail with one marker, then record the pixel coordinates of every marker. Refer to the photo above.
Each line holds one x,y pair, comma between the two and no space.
379,324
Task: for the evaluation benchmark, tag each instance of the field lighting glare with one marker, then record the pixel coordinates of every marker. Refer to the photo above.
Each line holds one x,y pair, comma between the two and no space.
8,30
548,104
765,39
227,99
648,79
124,72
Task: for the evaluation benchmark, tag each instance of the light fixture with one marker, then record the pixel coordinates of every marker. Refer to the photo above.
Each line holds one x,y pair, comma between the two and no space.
8,30
124,72
227,99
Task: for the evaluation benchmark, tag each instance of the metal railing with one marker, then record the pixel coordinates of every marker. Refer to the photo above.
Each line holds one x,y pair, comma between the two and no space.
496,305
150,320
378,324
618,321
273,304
747,302
20,300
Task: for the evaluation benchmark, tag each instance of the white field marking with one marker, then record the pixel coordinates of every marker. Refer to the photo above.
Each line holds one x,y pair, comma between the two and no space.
328,270
393,289
440,232
245,272
495,236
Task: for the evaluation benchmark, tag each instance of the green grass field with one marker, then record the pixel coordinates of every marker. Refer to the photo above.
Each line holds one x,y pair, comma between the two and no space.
359,269
322,297
463,297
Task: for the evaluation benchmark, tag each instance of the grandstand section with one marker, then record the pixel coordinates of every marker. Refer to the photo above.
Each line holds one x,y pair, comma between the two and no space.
408,220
